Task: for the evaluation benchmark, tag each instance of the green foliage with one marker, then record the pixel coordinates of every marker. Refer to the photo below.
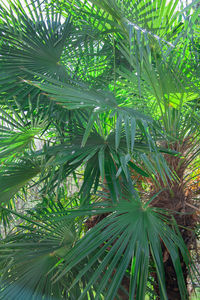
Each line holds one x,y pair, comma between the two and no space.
101,91
41,248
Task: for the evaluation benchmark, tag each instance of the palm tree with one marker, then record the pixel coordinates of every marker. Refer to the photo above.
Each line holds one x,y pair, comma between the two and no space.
106,93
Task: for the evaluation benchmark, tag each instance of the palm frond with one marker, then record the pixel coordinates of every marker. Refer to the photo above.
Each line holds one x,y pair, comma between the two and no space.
125,240
44,242
15,175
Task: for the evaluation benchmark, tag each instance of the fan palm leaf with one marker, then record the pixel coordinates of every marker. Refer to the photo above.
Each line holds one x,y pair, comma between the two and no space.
126,239
44,242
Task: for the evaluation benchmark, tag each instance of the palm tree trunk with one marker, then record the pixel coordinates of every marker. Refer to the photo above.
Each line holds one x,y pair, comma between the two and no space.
176,198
